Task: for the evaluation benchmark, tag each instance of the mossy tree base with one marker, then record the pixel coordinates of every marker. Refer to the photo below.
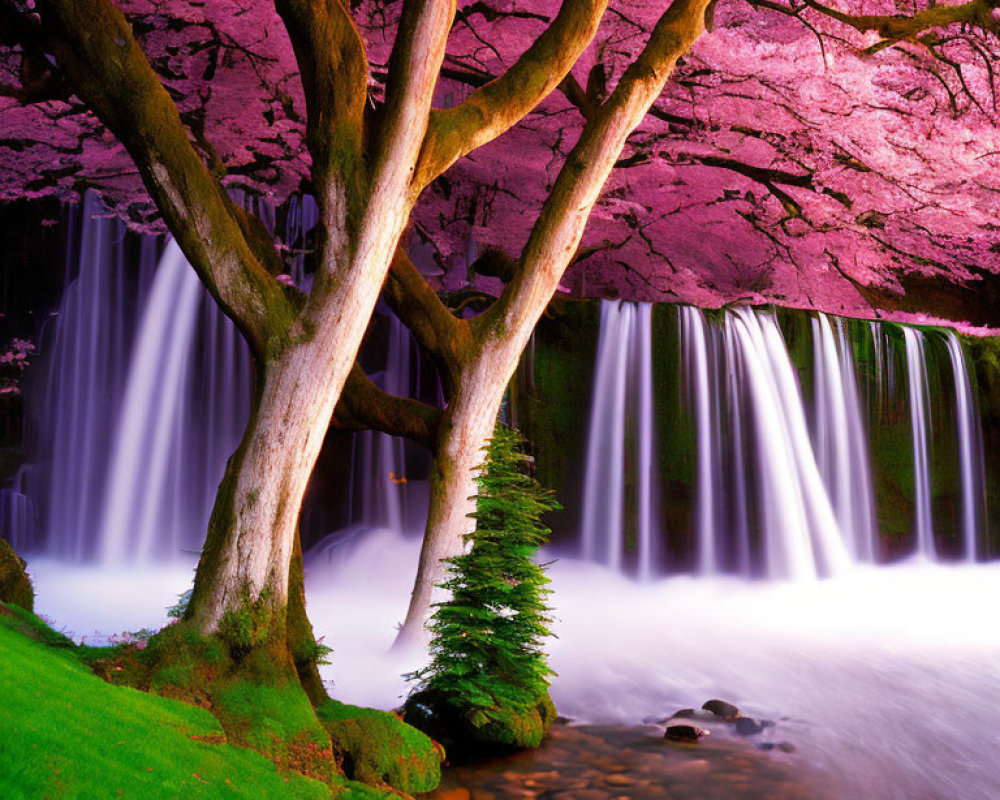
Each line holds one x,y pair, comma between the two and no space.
508,729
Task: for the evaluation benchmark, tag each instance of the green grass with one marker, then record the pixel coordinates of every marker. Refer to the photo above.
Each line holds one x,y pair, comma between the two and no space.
64,733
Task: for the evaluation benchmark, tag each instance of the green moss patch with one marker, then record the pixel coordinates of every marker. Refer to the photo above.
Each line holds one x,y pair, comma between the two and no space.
376,747
267,717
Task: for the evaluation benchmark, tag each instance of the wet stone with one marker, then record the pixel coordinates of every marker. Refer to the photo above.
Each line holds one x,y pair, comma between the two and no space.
747,726
632,763
721,708
684,731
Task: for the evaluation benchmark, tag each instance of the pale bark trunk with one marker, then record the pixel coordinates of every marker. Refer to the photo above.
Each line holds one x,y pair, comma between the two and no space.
252,530
466,427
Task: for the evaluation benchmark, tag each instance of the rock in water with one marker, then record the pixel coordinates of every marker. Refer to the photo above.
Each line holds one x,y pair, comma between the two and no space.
684,730
747,726
15,585
721,708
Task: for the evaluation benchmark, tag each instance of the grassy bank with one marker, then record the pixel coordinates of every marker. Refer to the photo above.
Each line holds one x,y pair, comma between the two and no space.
65,733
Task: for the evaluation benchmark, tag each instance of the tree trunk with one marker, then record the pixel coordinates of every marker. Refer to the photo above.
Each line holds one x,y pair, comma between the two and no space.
466,427
251,533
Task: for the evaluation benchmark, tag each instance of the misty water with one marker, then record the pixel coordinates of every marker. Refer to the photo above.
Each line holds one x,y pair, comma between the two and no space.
885,679
881,676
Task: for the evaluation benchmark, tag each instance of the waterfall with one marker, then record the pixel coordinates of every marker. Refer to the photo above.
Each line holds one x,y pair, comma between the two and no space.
920,422
772,494
840,436
152,411
970,449
19,512
643,365
622,390
378,474
801,534
694,338
146,390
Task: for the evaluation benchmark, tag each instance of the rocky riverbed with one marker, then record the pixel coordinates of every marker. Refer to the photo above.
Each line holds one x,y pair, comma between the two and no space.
637,763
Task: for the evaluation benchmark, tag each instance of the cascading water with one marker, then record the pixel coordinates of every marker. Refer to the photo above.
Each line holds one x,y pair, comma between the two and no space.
138,417
137,501
695,335
801,535
622,391
920,421
379,471
769,498
841,437
970,449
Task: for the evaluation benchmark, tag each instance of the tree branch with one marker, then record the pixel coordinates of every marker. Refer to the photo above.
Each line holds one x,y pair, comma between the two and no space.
109,71
437,330
557,233
417,55
364,406
500,104
897,27
334,74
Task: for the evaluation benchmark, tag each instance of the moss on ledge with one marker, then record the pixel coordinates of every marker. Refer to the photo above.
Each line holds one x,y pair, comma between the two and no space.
378,748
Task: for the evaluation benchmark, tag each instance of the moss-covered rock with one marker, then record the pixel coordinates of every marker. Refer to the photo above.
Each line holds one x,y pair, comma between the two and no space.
15,585
376,747
507,730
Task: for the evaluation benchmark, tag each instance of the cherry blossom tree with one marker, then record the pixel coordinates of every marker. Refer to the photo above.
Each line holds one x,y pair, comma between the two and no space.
371,153
834,157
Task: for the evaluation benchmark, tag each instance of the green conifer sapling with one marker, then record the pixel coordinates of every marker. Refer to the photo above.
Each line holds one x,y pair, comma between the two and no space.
486,647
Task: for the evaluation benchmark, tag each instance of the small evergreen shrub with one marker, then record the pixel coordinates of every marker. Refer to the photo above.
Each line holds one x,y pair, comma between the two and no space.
487,661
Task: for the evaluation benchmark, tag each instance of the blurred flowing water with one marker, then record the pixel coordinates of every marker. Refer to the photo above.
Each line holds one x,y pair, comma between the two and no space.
883,675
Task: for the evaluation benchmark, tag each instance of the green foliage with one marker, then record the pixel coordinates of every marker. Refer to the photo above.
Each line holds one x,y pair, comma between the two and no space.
376,747
486,648
176,611
312,651
69,734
